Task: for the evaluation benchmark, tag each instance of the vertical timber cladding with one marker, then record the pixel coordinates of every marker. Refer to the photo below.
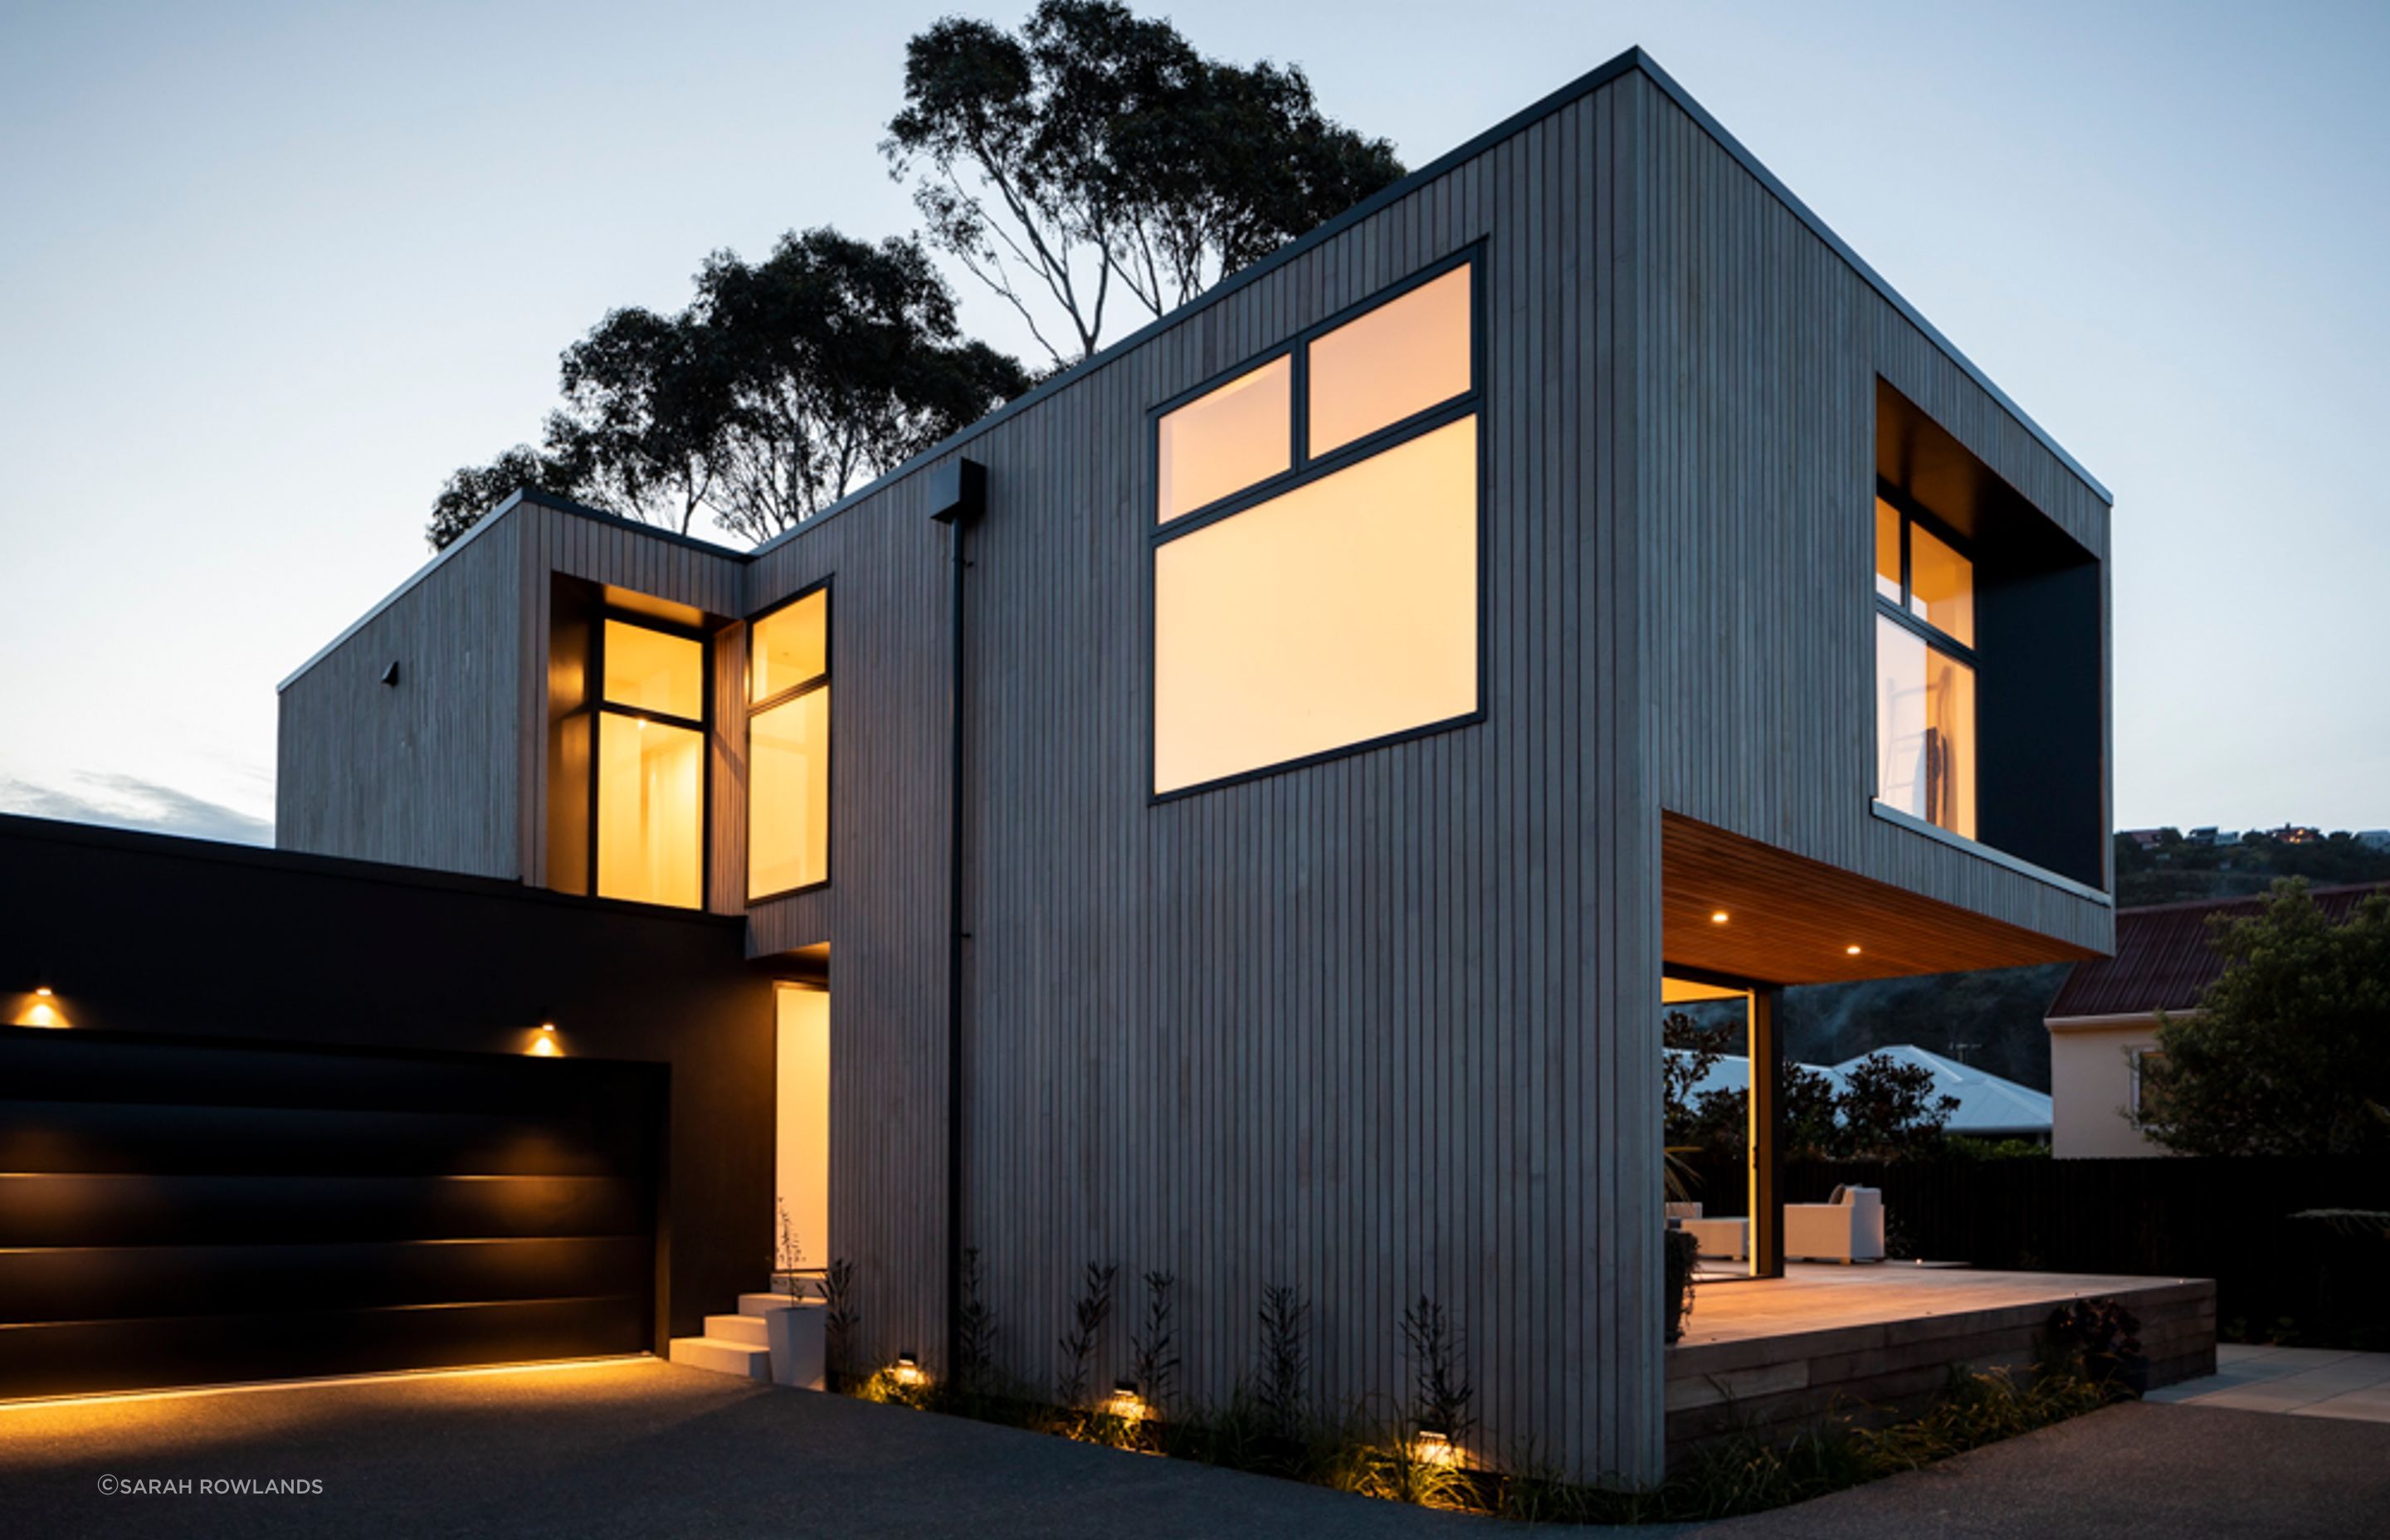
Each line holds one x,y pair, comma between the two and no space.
1374,1028
1760,464
421,771
883,911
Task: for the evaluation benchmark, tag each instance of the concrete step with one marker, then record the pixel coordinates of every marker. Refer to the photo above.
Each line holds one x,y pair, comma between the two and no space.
745,1360
756,1304
747,1330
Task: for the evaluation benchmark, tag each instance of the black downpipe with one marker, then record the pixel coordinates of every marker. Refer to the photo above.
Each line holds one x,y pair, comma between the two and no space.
955,962
957,496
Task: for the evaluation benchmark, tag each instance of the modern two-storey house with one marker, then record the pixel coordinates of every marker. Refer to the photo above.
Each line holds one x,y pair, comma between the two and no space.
1238,810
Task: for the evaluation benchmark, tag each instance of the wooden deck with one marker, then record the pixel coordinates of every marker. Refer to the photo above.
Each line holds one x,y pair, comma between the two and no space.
1770,1354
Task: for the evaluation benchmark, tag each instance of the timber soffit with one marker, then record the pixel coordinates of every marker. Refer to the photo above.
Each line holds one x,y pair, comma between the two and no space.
1633,60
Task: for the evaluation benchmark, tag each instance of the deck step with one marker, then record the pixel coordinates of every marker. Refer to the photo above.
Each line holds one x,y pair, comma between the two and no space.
743,1359
747,1330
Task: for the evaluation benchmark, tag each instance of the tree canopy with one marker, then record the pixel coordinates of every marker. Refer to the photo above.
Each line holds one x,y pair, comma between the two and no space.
784,385
1097,150
1883,1110
1092,153
2288,1050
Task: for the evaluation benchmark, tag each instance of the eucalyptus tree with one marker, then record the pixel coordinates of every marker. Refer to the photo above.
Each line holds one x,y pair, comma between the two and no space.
1095,155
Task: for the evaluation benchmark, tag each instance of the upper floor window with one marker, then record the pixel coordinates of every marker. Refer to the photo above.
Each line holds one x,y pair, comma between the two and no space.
649,720
788,747
1316,563
1925,671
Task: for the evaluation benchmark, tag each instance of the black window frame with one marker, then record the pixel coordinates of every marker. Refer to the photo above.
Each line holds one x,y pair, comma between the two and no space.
1911,515
756,708
1935,640
1305,468
598,708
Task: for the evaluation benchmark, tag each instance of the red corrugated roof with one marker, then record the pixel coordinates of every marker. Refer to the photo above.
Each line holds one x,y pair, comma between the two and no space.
2164,961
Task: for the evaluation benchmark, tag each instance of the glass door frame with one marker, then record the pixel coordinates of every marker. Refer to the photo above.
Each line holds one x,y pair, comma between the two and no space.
1764,1142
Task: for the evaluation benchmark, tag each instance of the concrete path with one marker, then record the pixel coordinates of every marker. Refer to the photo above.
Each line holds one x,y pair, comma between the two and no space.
2137,1472
642,1448
632,1448
2301,1381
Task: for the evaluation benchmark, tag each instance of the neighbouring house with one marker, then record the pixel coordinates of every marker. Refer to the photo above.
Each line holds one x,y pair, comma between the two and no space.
2103,1023
1236,810
1989,1107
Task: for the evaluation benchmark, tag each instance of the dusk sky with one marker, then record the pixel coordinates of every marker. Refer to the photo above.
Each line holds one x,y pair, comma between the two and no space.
268,273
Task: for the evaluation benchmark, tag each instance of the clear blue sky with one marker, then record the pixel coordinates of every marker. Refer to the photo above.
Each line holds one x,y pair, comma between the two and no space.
269,272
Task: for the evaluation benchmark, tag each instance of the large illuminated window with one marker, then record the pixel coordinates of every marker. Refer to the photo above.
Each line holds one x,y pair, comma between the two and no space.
1925,671
788,748
649,806
1315,571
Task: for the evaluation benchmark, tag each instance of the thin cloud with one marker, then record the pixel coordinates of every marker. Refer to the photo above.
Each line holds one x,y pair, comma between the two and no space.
118,801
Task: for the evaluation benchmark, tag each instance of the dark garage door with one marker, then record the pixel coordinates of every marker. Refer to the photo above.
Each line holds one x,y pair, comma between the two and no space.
176,1213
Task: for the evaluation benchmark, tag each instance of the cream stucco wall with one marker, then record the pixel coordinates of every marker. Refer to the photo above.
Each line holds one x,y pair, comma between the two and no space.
2091,1085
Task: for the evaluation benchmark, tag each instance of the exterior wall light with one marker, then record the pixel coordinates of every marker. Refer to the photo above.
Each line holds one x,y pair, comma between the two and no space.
1853,949
1434,1446
42,1008
1718,917
1125,1403
907,1372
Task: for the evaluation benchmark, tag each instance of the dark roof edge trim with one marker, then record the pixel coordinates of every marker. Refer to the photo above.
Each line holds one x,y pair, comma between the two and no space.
185,847
513,500
1802,212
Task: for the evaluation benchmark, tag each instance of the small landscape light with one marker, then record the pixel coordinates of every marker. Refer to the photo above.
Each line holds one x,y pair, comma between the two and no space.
544,1048
1434,1446
42,990
1853,949
1125,1403
907,1371
547,1026
1718,917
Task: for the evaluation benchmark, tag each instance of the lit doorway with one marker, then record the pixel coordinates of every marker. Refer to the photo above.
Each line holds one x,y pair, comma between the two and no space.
1724,1082
801,1238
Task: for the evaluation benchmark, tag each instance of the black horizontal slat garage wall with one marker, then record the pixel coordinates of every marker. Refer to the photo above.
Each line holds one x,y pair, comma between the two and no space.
295,1116
176,1213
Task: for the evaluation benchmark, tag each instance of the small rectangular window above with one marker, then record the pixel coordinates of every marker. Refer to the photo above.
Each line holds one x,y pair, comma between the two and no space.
1227,439
1408,354
1941,585
789,646
654,670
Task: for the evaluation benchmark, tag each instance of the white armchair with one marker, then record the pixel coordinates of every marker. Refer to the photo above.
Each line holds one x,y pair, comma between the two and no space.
1847,1228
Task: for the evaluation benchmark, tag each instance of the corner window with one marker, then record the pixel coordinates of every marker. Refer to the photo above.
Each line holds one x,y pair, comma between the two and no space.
788,748
647,808
1316,571
1925,671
